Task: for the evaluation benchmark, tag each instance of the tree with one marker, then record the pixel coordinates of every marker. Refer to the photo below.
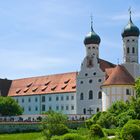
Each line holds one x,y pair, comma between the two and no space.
137,87
118,107
107,120
9,107
96,130
54,124
131,130
135,106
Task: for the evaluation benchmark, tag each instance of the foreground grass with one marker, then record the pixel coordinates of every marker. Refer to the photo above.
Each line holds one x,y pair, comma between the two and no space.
79,134
22,136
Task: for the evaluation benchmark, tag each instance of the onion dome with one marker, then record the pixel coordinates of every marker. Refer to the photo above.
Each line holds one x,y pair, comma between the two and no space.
92,37
130,29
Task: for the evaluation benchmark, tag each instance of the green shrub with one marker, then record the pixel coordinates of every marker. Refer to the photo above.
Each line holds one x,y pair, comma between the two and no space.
96,117
130,132
57,138
72,136
107,120
137,122
54,124
88,123
62,130
111,132
96,130
123,118
118,107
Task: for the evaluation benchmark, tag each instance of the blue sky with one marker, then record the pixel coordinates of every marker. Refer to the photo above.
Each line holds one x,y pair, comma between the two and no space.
42,37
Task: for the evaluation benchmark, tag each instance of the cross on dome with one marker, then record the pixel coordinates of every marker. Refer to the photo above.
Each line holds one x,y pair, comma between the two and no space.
91,22
130,13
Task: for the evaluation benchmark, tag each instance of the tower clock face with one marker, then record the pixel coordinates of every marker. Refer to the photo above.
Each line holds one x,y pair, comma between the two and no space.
90,62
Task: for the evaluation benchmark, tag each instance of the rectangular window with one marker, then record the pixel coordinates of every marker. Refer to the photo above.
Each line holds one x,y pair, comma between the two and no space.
128,92
43,107
100,95
50,108
67,97
43,98
62,107
36,108
22,100
50,98
62,98
67,107
36,99
72,97
57,98
72,107
29,100
29,108
57,107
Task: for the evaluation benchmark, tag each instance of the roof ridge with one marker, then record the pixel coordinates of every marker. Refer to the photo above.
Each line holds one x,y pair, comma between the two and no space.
44,76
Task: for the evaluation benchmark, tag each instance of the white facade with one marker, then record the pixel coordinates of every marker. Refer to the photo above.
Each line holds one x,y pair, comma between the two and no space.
130,48
89,80
30,104
113,93
37,104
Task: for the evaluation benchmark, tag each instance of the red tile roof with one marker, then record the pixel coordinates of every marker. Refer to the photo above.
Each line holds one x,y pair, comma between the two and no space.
58,83
105,64
118,76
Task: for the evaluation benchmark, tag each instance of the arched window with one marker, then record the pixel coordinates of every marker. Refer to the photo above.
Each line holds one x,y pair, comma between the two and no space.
133,50
90,94
127,50
81,96
100,95
84,111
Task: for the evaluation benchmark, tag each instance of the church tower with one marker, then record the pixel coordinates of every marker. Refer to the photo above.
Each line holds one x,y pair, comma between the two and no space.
90,77
130,36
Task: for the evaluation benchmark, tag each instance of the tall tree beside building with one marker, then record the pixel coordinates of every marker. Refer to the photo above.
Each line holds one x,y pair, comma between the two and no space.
9,107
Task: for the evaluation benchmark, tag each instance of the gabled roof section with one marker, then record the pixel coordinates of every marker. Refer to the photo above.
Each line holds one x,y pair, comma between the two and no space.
118,76
105,64
58,83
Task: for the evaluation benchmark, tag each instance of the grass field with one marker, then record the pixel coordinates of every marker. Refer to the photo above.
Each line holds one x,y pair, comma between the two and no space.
22,136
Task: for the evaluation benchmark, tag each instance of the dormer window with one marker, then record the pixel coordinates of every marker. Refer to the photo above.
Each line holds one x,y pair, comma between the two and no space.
66,81
28,85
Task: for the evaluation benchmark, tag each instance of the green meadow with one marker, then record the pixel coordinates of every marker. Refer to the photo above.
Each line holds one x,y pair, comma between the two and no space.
22,136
